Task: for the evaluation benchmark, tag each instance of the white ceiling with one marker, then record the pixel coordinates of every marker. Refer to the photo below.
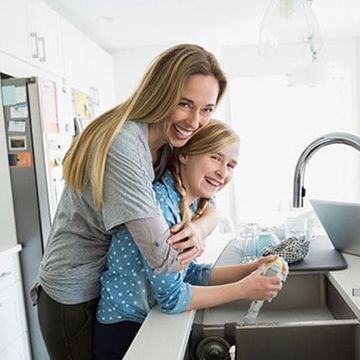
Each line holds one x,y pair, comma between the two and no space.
117,24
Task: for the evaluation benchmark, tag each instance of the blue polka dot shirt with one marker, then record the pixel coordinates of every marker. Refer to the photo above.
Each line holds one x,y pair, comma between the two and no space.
129,287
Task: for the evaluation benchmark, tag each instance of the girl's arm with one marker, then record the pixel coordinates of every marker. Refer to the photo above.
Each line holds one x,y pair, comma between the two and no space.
228,274
176,294
253,287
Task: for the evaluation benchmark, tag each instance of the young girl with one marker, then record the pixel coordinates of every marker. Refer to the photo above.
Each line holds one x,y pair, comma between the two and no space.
130,288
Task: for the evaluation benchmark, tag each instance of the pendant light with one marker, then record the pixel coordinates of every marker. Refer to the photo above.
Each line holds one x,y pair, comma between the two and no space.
289,29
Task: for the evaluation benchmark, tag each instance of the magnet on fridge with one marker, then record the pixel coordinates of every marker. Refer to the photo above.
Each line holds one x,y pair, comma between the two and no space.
20,160
17,143
17,126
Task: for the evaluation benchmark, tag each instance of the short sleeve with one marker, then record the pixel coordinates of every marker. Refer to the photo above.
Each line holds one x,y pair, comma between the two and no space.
128,192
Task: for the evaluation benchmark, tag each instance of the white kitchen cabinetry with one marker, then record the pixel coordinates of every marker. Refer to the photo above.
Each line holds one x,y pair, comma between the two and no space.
44,35
35,34
14,342
30,31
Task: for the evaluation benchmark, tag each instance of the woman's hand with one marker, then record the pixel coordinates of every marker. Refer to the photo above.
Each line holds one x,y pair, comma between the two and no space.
188,240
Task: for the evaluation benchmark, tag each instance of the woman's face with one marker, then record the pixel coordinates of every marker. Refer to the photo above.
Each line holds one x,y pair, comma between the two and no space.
195,107
204,175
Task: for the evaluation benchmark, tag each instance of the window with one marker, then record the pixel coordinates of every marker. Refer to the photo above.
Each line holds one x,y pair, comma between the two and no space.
275,123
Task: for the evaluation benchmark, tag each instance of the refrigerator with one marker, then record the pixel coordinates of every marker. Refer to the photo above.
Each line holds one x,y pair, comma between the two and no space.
37,140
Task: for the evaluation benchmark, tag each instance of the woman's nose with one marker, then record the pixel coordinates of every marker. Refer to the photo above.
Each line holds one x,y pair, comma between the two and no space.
194,119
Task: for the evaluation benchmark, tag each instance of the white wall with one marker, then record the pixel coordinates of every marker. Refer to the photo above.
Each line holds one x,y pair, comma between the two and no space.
130,65
332,173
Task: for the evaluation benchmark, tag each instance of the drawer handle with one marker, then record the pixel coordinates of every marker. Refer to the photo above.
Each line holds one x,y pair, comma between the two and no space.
5,274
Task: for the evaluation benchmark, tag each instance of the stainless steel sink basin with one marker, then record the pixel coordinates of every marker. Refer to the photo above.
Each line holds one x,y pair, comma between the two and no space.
308,320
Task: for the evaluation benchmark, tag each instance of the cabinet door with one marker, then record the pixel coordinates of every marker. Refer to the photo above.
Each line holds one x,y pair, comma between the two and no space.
75,57
18,350
102,88
13,30
44,33
12,317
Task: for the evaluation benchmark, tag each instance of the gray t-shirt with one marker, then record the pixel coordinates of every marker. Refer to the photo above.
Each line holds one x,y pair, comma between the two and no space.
76,251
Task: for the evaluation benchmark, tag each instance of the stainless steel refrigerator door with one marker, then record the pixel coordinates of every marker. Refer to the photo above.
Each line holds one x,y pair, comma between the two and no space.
29,196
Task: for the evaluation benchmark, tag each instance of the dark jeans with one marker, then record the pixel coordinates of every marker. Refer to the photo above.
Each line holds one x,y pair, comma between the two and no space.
111,341
66,329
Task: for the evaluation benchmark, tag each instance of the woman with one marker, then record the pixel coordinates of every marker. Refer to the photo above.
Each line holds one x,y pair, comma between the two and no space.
108,171
129,285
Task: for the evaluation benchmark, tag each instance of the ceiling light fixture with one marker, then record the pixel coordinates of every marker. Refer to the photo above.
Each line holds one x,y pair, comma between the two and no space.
289,29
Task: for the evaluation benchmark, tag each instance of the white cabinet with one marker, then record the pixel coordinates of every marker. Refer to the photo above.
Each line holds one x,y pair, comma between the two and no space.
16,350
88,68
30,31
14,342
75,57
44,36
13,28
101,68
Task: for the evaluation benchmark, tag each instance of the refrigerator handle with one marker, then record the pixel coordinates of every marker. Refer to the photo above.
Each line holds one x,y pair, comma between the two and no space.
41,40
36,54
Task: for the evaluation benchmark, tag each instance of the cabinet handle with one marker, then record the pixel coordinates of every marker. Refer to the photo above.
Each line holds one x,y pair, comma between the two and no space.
5,274
94,94
97,96
42,41
36,54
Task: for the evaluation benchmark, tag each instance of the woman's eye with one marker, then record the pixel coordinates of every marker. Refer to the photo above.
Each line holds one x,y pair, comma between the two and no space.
215,157
184,105
231,166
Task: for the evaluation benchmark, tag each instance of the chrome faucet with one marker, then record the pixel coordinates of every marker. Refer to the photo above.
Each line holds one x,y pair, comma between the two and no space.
328,139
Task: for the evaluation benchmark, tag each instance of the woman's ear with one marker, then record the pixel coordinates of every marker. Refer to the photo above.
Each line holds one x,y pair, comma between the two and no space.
183,158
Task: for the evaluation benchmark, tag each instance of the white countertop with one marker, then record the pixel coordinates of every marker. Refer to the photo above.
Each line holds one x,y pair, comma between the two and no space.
6,249
164,337
348,279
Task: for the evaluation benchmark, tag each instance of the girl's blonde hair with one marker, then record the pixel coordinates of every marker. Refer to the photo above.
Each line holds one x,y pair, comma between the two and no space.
211,138
154,99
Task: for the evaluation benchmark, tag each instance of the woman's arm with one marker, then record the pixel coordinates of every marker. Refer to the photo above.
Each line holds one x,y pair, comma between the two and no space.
195,234
150,237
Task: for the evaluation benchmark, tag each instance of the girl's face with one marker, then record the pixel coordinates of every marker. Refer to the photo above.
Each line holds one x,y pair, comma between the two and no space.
204,175
197,103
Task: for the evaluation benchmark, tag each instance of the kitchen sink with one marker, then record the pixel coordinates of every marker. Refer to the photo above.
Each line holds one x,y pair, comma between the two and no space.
308,320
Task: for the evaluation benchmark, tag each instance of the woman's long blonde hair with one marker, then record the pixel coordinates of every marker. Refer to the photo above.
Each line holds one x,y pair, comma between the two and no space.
154,99
211,138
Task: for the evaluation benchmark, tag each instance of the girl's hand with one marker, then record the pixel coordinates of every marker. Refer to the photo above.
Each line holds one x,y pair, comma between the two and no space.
188,241
263,260
259,287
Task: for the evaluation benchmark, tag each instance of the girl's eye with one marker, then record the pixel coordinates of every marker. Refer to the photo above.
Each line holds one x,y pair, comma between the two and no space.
208,110
231,166
215,157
